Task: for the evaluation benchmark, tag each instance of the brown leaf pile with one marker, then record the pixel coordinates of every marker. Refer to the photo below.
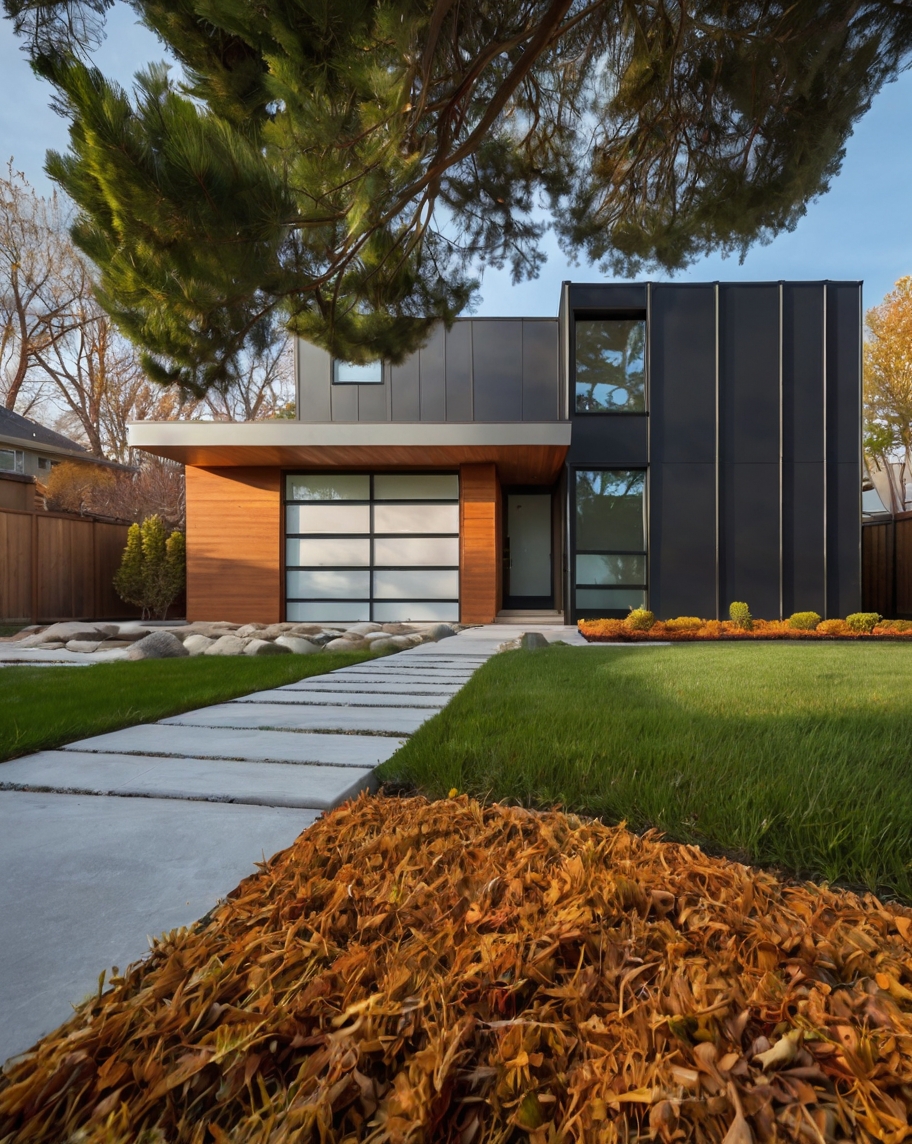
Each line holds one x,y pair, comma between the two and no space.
414,971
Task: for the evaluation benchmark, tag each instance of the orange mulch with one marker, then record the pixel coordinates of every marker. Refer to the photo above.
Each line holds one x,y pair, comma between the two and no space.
597,631
444,971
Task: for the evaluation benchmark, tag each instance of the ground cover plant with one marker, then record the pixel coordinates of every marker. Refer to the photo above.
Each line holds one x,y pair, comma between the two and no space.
642,625
795,756
44,707
411,971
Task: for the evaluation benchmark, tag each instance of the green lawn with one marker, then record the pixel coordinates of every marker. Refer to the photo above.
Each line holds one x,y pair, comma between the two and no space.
788,755
42,707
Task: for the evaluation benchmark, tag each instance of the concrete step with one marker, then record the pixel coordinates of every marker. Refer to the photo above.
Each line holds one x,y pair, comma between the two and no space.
530,618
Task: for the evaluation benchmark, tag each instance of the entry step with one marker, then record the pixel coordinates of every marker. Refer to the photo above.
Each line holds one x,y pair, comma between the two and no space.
545,616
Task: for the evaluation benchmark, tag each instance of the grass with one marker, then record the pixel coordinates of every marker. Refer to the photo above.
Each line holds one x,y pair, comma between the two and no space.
792,756
44,707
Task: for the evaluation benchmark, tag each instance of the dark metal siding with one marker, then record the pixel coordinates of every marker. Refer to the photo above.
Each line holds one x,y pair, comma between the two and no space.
682,551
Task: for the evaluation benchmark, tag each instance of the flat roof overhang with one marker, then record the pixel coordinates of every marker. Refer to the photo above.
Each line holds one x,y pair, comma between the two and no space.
525,452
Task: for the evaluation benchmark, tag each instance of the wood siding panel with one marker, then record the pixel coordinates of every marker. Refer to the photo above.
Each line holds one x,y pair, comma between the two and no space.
15,566
65,567
479,579
234,536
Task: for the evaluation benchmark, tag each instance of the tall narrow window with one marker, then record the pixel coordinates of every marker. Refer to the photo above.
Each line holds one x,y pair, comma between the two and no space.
610,365
610,555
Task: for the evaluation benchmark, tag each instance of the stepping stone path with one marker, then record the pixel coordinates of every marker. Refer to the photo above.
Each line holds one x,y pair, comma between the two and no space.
311,744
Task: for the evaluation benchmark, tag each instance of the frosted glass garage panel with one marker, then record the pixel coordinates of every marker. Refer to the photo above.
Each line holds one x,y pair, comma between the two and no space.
328,487
402,611
416,486
328,552
330,518
404,551
428,584
329,585
416,518
314,612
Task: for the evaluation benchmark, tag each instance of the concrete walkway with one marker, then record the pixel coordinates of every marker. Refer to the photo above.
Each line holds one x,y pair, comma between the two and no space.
139,831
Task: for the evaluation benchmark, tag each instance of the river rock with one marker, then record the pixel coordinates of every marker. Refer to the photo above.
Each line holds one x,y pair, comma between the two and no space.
298,645
438,632
197,644
250,630
157,645
83,645
265,647
345,645
226,645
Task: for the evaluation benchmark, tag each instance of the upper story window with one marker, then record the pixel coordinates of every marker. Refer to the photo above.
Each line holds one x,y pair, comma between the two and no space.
610,365
347,373
12,461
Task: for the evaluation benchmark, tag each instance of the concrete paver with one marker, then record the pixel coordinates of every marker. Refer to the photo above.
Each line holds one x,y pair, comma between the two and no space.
288,717
259,784
372,698
86,879
243,743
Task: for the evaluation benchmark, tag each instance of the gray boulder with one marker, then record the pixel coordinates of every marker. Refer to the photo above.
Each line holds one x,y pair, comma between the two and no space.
532,640
265,647
298,645
250,630
346,645
438,632
196,643
75,630
388,643
226,645
157,645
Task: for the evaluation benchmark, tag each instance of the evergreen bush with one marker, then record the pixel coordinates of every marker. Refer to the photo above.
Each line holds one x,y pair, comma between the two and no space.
640,620
863,621
684,624
739,614
153,568
804,621
833,628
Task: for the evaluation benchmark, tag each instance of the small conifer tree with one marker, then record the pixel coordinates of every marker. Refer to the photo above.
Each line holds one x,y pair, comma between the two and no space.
152,569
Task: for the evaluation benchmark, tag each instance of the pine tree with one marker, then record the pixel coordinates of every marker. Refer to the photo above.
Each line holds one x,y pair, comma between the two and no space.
128,579
350,165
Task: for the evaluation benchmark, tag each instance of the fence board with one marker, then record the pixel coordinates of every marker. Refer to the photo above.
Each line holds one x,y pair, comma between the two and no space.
886,567
58,567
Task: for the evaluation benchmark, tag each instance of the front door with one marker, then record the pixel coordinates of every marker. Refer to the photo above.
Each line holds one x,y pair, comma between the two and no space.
528,551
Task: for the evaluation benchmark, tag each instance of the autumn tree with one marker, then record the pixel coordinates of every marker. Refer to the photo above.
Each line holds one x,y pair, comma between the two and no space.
888,395
351,165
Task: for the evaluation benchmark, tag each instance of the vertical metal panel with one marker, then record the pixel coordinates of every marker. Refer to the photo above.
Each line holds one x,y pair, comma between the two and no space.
802,378
682,539
843,527
540,372
405,391
682,374
497,367
606,440
459,372
750,536
344,402
844,371
803,564
373,400
432,357
749,345
313,382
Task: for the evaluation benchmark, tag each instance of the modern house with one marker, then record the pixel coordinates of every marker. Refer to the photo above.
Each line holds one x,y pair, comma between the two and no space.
674,445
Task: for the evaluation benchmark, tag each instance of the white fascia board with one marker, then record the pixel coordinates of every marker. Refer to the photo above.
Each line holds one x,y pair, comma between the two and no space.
161,434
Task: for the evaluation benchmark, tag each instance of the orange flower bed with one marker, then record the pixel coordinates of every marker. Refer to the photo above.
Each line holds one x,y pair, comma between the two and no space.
600,631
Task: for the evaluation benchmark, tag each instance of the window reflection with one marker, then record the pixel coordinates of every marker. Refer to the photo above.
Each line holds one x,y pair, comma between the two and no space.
610,365
610,557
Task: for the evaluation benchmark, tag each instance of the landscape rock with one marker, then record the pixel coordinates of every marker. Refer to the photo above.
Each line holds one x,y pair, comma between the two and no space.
196,643
265,647
345,645
405,641
386,644
298,645
532,640
399,629
226,645
365,628
83,645
373,637
76,630
250,630
157,645
438,632
115,645
305,629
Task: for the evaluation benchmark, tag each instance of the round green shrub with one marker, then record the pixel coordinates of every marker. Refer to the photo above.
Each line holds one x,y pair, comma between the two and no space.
895,625
863,621
739,614
640,620
804,621
684,624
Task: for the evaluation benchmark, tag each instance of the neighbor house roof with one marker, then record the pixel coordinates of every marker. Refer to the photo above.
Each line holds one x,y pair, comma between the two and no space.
23,433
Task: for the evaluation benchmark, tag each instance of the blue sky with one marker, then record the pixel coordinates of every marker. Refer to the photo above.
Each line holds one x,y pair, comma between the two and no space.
861,229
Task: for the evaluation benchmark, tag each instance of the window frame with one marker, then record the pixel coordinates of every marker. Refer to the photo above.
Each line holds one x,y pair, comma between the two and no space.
575,611
334,372
609,316
18,456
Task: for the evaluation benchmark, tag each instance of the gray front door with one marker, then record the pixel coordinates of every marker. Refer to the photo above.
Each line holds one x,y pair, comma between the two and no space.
529,549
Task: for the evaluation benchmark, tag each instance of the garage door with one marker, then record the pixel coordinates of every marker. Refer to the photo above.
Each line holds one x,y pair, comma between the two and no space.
372,546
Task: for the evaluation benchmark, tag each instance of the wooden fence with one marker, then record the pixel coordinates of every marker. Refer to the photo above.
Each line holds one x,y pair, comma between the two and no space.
59,567
886,566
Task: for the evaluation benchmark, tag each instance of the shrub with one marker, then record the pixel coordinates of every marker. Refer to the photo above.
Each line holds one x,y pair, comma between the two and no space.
152,568
833,628
863,622
640,620
713,629
684,624
739,614
804,621
898,626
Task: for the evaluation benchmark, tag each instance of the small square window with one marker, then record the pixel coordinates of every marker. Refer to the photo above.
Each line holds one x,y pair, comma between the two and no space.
347,373
44,465
610,365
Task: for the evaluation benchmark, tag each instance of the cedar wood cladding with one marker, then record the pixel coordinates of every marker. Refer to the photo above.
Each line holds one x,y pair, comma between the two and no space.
479,571
234,517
